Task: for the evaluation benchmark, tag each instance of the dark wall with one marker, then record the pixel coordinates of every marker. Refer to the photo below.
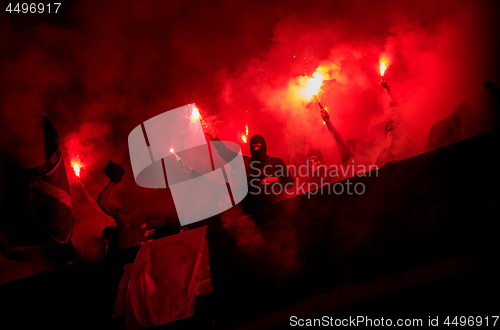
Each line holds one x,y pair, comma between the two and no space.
424,209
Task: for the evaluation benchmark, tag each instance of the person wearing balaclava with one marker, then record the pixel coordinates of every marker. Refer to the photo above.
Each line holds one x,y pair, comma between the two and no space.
316,169
263,172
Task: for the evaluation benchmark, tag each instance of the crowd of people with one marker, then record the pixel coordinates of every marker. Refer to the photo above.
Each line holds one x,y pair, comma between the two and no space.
270,179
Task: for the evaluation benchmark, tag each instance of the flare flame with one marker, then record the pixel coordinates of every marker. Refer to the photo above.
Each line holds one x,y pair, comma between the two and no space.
195,114
382,68
76,167
312,85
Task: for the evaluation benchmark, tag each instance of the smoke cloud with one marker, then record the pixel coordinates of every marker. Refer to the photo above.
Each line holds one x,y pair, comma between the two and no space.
102,69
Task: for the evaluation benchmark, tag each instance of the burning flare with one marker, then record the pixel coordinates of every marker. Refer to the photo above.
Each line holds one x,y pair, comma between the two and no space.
246,130
176,157
382,68
76,167
195,114
312,85
244,138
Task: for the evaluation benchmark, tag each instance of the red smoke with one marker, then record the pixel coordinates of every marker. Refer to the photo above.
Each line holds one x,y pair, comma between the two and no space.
99,71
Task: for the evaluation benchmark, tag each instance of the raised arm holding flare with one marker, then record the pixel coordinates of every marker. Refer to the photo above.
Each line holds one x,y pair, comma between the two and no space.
131,225
345,152
401,146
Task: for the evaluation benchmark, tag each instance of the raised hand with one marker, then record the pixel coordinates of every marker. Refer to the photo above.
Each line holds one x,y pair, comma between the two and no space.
114,171
187,169
325,115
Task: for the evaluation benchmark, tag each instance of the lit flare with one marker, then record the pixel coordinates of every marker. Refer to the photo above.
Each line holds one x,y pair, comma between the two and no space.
312,85
76,167
195,114
382,69
176,157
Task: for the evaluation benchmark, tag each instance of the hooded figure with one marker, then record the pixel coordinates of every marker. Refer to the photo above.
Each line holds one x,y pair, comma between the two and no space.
259,153
459,125
401,146
316,163
316,171
468,125
267,177
313,152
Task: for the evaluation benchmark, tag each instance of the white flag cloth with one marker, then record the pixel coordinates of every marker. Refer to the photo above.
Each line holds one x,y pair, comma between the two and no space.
165,279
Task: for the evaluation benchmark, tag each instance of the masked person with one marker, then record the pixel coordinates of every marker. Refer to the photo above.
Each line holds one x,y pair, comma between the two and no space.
316,171
459,125
268,177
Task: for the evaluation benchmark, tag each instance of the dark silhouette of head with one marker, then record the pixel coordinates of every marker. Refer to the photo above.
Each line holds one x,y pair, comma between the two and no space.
258,147
462,115
315,155
488,85
316,163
